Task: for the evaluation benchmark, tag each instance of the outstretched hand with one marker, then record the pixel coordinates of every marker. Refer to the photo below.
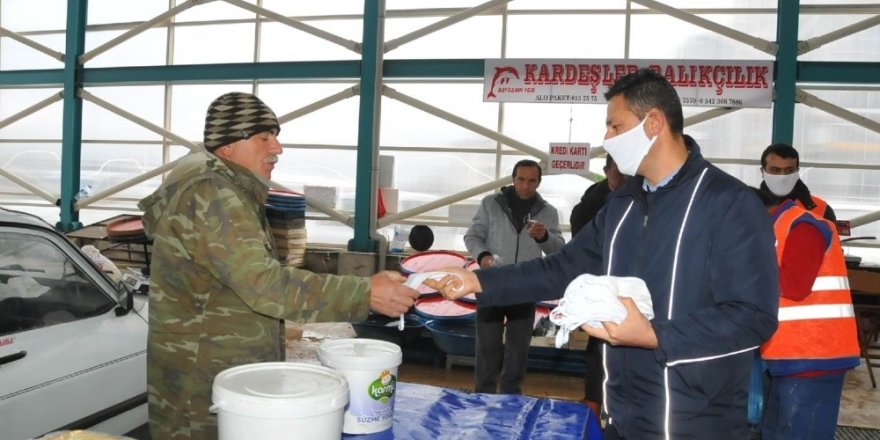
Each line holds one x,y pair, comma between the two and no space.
457,284
635,330
389,296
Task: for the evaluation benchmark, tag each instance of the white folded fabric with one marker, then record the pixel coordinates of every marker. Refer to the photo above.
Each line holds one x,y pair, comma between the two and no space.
415,279
591,299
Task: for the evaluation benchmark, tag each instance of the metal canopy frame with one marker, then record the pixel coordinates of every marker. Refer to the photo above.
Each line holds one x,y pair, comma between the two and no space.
372,74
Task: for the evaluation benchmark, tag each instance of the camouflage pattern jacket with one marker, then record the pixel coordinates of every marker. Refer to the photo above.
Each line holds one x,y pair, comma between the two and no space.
214,275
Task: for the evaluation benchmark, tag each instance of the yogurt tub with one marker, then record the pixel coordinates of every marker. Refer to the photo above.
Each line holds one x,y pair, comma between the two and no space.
370,367
279,400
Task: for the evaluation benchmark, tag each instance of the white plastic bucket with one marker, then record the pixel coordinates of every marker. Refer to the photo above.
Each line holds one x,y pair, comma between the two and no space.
370,367
279,400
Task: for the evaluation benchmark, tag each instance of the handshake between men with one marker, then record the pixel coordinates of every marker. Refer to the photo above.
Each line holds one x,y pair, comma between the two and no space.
458,283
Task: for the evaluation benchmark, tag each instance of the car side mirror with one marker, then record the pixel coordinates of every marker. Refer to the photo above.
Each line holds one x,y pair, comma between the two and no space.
125,298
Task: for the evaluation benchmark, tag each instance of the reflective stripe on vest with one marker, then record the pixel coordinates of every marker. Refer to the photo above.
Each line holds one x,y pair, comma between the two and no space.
831,283
818,311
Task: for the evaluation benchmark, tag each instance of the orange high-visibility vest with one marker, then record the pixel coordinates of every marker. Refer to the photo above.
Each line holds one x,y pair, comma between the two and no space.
819,209
822,325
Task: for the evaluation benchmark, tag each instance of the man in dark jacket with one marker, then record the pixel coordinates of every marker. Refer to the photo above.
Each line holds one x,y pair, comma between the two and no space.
703,244
594,197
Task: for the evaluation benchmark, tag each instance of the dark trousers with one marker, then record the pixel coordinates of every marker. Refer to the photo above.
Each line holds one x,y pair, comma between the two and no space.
610,433
497,352
802,407
595,373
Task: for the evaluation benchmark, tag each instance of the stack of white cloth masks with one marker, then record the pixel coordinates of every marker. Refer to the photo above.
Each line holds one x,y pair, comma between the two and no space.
591,299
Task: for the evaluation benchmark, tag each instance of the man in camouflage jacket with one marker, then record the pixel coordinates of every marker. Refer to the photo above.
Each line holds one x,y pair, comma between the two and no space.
217,293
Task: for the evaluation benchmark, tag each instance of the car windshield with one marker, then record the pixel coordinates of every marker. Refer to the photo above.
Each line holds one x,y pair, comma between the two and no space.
41,285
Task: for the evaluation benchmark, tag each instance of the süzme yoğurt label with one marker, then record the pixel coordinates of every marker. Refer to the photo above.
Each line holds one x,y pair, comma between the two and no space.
372,409
382,389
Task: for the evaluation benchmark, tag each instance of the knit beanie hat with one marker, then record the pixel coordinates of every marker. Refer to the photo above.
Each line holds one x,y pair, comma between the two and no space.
236,116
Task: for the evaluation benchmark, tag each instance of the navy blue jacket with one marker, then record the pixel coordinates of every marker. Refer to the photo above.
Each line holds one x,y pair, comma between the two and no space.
703,243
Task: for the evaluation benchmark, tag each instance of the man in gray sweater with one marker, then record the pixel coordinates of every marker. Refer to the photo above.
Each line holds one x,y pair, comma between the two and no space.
513,225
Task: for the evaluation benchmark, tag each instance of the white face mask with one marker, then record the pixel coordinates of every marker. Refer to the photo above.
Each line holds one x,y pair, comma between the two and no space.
781,184
630,148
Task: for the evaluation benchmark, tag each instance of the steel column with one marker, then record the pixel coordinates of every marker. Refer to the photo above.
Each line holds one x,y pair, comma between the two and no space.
366,178
71,133
786,70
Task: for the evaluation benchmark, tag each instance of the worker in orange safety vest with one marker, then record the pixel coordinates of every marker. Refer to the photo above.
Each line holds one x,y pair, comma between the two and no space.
816,341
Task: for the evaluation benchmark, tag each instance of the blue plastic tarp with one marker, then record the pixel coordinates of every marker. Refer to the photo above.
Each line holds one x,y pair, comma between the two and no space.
424,412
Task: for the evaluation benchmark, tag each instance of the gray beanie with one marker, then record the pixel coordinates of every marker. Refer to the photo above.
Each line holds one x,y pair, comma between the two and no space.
236,116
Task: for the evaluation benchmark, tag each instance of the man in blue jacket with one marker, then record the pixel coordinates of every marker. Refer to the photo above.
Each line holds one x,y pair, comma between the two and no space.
703,244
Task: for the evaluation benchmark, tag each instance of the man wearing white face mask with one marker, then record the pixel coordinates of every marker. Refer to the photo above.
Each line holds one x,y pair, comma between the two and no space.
779,167
702,242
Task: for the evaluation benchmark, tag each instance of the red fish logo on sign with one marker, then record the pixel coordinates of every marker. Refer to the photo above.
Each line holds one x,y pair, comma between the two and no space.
500,79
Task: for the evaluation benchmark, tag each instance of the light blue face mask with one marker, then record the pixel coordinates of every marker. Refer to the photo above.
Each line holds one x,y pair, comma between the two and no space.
630,148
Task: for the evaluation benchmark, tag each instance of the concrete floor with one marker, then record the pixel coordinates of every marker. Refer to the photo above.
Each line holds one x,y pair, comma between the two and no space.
860,403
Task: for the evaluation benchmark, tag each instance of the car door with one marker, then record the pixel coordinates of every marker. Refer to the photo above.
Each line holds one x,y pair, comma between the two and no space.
66,359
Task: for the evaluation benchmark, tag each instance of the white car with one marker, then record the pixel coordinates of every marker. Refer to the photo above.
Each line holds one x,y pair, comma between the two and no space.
73,344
